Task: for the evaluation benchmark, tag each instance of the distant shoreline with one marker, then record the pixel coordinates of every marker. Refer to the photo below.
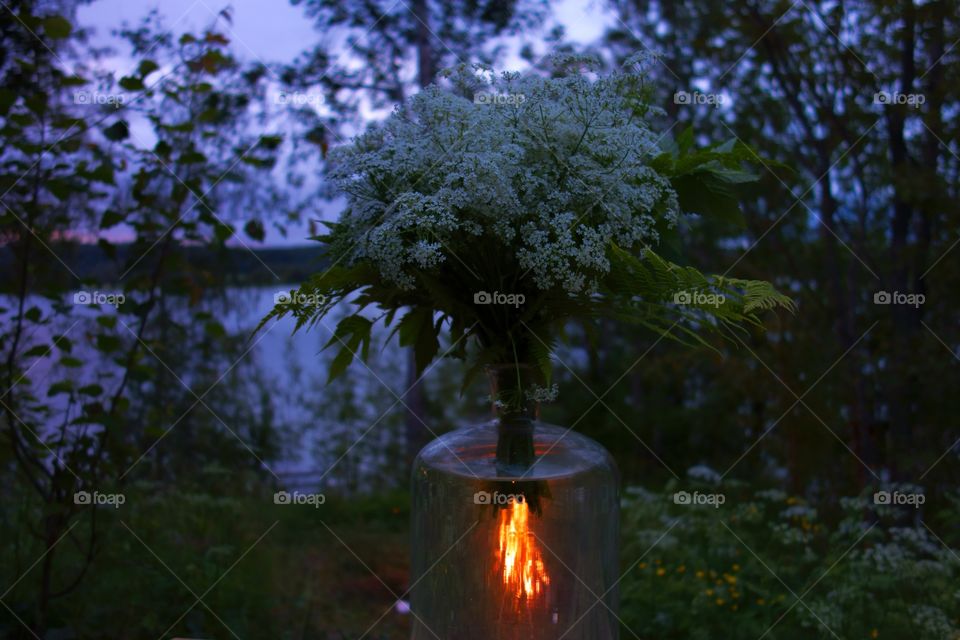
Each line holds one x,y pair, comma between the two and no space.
223,265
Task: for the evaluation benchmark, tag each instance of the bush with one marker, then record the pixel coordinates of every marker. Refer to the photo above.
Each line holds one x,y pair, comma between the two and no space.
765,564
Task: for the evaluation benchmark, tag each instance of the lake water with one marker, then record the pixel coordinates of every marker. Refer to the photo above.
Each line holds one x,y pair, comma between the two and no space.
347,436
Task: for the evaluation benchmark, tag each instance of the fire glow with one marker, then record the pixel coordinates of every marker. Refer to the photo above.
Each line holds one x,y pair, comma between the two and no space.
521,562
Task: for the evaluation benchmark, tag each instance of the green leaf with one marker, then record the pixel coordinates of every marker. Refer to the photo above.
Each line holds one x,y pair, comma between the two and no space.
222,232
426,348
163,149
183,127
60,188
7,98
57,27
147,67
255,230
91,390
192,157
64,386
685,140
118,131
353,335
38,351
540,350
103,173
37,102
110,219
270,142
131,83
108,343
417,329
702,193
214,329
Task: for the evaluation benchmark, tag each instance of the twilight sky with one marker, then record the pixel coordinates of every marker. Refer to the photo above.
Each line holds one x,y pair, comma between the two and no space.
275,31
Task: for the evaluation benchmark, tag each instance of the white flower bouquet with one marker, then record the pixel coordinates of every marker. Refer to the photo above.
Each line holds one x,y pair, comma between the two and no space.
499,207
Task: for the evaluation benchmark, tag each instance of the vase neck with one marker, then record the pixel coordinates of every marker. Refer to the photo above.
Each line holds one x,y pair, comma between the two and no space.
512,388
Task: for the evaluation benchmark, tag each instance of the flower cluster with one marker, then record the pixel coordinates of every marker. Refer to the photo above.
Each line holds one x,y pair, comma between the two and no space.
500,207
546,182
873,576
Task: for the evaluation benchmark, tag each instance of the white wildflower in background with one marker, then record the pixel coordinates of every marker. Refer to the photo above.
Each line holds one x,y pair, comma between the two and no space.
536,393
772,495
824,614
933,622
916,539
704,473
886,558
799,511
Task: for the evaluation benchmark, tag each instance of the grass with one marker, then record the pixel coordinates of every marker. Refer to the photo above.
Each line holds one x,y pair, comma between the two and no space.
260,569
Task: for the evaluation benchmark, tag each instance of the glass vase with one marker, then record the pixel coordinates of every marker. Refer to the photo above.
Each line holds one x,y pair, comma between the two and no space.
515,528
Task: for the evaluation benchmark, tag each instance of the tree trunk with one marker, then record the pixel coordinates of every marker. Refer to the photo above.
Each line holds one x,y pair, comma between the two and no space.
902,390
426,64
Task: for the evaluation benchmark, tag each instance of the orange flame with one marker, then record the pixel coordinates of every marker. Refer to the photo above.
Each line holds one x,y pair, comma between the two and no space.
521,561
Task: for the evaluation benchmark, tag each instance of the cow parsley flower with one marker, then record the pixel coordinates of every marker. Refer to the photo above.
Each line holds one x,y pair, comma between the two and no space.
544,171
498,207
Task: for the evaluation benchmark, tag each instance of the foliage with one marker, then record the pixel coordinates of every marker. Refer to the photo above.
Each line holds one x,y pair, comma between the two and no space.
395,49
90,369
737,571
857,100
866,205
276,572
547,189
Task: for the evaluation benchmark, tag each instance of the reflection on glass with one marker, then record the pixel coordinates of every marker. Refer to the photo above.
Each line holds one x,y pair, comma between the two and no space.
514,551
